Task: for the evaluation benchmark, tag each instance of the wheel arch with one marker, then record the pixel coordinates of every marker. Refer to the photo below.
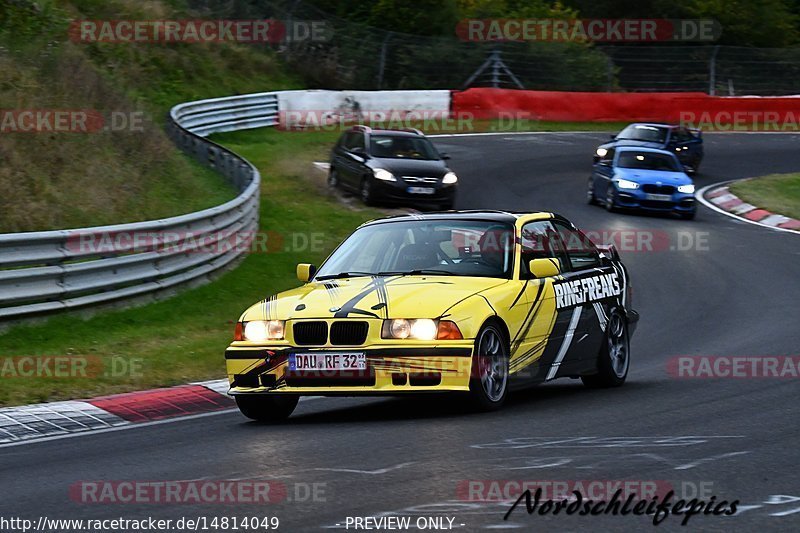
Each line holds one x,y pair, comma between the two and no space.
502,326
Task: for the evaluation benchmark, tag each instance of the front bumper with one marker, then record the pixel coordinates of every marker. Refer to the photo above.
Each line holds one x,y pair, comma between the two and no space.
397,193
390,369
637,199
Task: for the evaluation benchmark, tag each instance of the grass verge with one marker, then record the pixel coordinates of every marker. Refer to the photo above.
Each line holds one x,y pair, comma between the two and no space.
779,193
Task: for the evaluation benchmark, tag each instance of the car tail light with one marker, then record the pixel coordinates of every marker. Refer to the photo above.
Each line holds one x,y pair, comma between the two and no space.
448,330
237,332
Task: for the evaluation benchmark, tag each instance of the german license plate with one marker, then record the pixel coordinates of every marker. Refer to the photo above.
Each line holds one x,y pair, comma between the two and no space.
328,361
421,190
659,197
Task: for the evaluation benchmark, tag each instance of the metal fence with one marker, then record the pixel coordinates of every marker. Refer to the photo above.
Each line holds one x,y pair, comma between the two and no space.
356,56
49,271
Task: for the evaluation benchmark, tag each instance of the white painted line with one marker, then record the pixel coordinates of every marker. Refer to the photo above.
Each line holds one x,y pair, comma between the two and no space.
367,472
699,196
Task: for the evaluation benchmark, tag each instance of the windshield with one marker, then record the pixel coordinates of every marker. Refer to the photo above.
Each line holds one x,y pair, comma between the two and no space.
401,147
647,161
431,247
638,132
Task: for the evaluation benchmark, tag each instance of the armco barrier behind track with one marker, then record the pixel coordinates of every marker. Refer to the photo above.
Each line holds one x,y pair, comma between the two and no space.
47,271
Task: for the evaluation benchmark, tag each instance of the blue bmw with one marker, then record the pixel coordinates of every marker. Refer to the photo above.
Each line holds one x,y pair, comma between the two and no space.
642,178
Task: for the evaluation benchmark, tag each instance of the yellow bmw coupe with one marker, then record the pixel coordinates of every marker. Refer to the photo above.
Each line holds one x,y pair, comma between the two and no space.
470,302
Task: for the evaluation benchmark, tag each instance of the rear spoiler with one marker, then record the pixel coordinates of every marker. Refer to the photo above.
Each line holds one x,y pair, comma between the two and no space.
609,251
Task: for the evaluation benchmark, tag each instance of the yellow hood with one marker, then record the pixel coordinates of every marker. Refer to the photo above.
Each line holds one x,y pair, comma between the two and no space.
368,297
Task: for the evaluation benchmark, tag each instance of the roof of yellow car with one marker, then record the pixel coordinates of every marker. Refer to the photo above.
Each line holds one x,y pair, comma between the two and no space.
484,214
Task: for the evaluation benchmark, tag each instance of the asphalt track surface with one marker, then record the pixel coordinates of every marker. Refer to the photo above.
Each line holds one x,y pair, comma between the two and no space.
735,291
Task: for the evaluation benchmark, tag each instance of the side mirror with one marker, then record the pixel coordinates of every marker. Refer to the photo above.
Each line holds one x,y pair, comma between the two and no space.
545,267
613,137
305,271
359,151
444,155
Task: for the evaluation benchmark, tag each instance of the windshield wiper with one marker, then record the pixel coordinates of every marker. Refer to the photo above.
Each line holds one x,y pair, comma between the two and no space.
417,272
344,275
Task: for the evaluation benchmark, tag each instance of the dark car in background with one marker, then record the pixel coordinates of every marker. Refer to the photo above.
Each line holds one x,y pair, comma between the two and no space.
685,143
392,166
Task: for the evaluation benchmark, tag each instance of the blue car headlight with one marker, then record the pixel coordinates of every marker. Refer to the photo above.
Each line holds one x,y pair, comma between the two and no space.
627,184
686,189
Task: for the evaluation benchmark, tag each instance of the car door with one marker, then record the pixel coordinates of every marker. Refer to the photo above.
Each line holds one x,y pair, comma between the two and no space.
599,288
536,345
340,160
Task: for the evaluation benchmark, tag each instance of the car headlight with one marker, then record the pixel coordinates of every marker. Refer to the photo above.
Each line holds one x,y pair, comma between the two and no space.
601,152
383,175
688,189
263,330
627,184
450,178
420,329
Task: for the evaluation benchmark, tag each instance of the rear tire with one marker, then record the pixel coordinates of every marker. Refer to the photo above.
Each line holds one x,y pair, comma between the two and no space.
488,386
267,408
614,359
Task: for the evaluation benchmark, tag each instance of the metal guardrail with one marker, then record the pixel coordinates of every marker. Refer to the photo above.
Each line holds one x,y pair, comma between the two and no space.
48,271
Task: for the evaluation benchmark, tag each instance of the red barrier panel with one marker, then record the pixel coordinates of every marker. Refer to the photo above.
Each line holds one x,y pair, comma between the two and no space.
691,109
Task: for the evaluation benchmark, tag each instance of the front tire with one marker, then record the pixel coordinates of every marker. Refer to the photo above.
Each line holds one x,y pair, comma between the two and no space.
333,178
613,361
367,196
488,387
590,197
687,216
610,202
267,408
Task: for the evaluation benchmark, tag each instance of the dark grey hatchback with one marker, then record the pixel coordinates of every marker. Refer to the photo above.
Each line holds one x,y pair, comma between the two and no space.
393,167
